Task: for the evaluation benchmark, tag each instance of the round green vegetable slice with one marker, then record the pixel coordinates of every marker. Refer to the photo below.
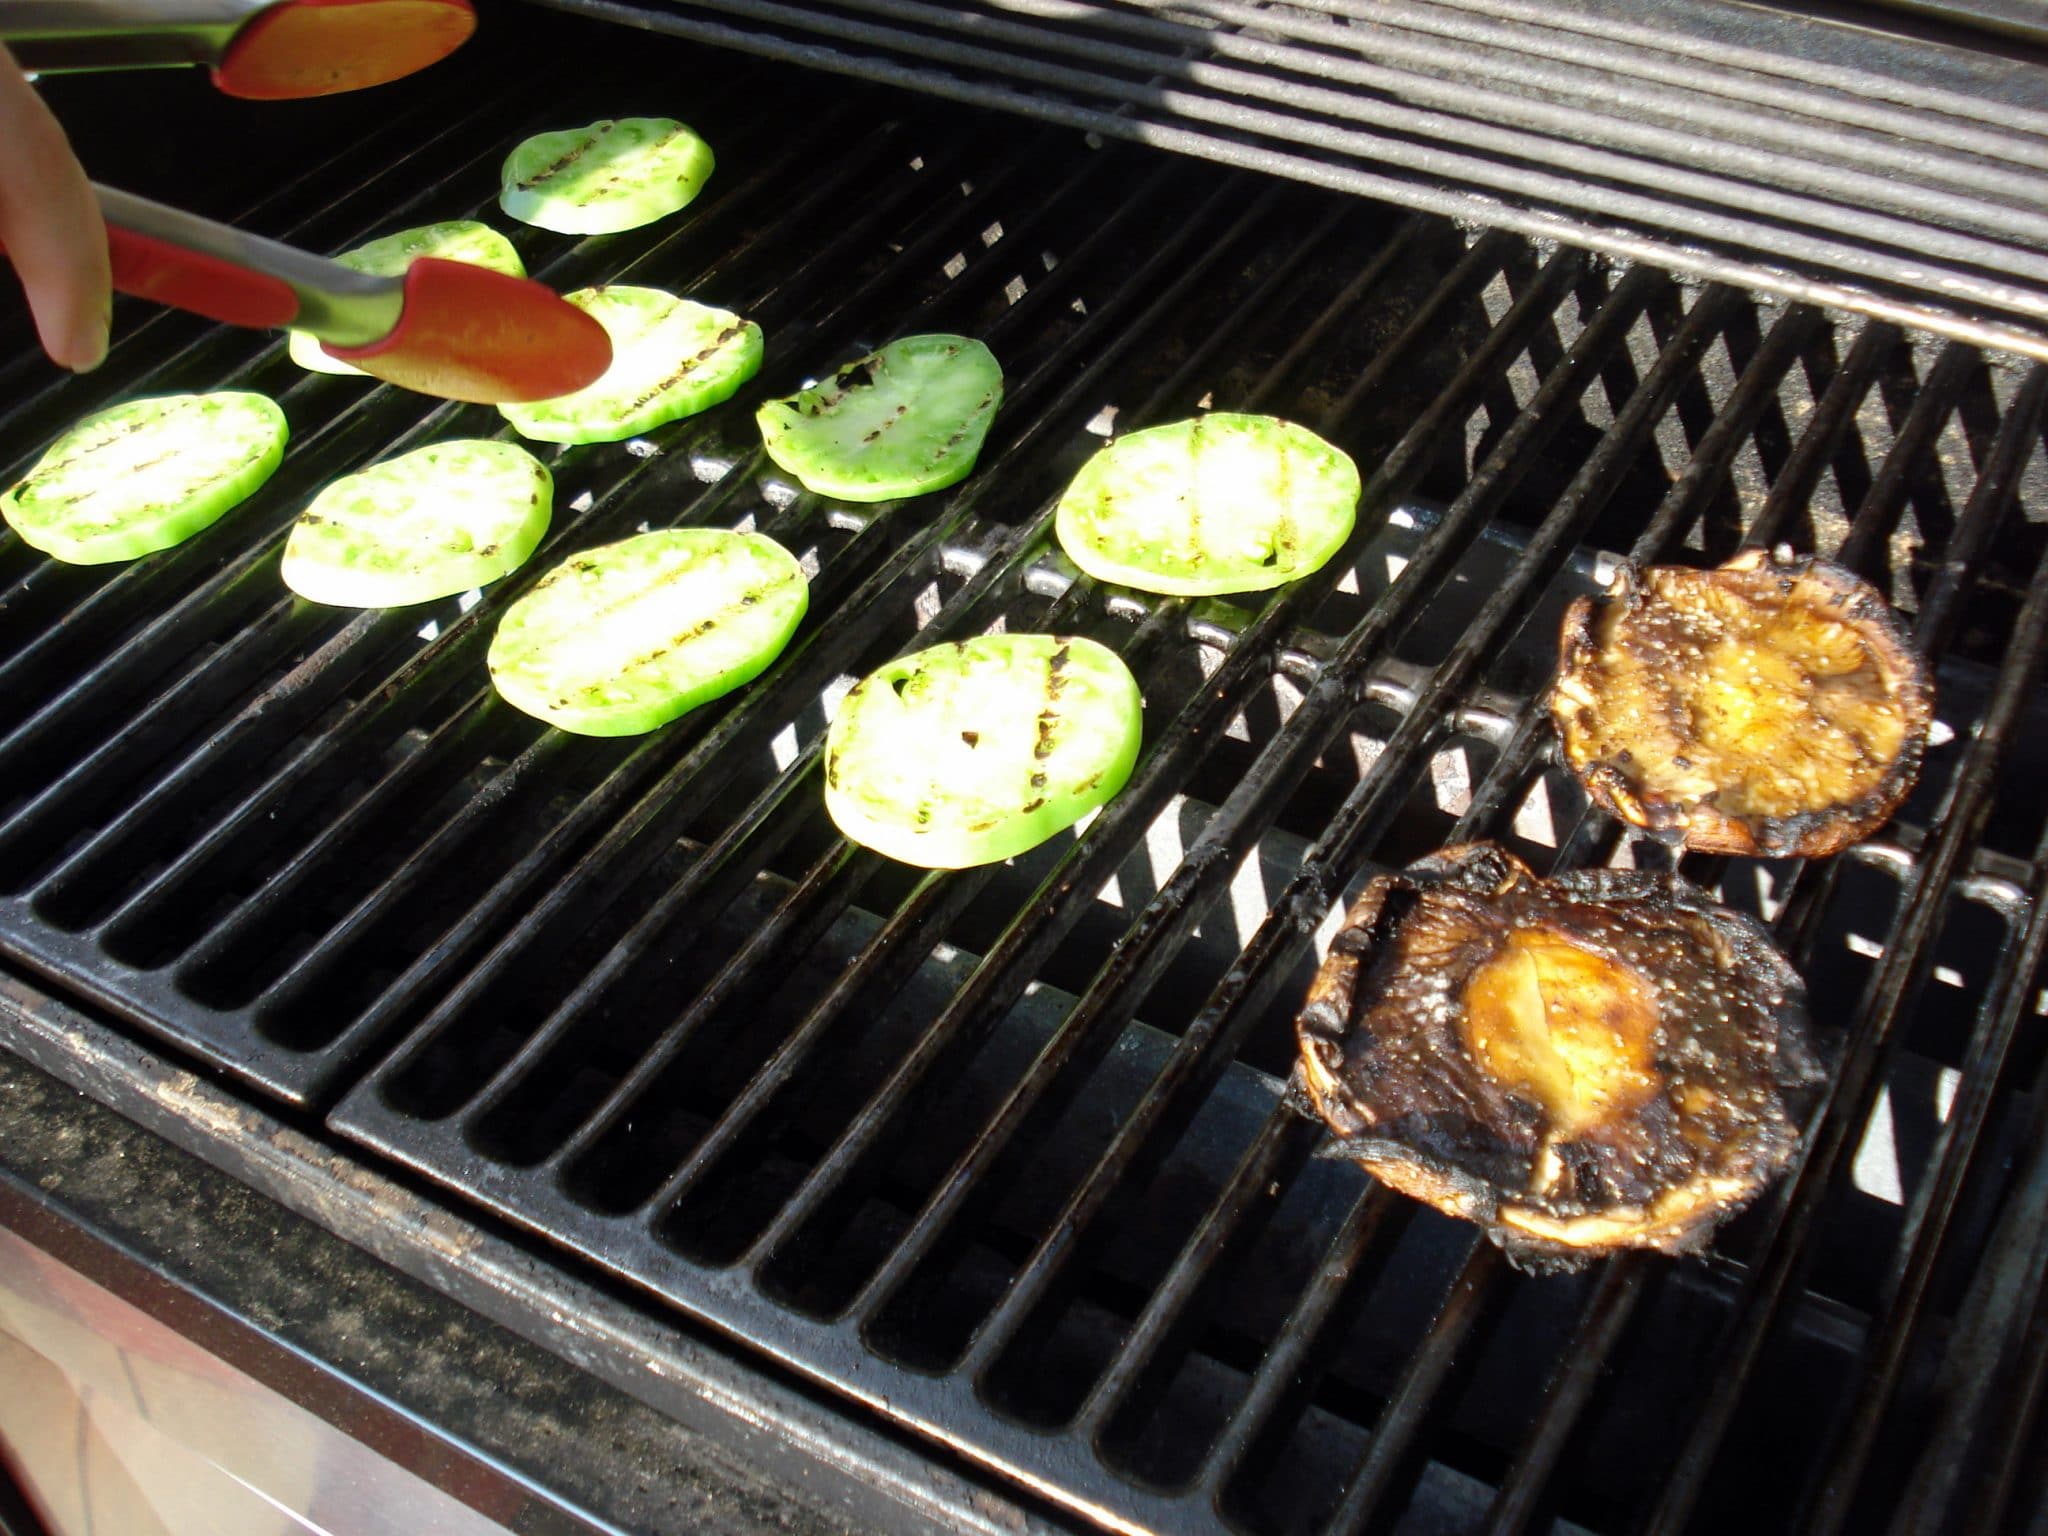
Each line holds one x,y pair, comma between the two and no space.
610,176
671,358
427,524
1223,503
389,256
146,475
973,752
899,422
621,639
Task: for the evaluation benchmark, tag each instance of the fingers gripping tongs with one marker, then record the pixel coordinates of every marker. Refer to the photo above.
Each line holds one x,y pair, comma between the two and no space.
444,328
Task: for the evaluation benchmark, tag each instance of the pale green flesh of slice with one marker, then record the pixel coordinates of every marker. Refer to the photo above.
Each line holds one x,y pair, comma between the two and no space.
145,475
907,419
621,639
614,175
671,358
1223,503
973,752
389,256
427,524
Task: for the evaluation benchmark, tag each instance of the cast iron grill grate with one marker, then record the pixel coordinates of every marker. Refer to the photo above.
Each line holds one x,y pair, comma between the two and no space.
999,1154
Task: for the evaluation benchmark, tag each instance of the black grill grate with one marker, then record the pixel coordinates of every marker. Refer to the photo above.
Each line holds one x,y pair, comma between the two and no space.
999,1154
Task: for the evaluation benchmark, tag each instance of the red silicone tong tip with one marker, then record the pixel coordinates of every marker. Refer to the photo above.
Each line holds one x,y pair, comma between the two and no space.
318,47
468,333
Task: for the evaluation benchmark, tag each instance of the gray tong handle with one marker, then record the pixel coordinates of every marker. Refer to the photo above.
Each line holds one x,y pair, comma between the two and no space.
54,36
341,306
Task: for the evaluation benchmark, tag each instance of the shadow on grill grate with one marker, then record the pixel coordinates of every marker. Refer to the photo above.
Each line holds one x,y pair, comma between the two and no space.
1000,1153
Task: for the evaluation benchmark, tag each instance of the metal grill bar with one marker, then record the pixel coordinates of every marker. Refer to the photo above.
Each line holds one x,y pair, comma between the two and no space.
1906,958
1179,906
1927,1224
1288,1375
1393,1456
776,1076
1515,125
1833,418
1171,1317
1616,1295
461,644
1565,136
1622,40
611,859
1863,551
1208,1042
1169,1310
1979,1373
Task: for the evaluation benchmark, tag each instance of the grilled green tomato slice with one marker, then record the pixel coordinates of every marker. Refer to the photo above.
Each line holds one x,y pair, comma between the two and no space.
145,475
621,639
974,752
427,524
899,422
1223,503
389,256
671,358
608,177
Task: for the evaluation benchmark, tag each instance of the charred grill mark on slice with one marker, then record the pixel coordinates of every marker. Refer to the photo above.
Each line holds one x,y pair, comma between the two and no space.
562,163
1198,444
1283,525
1049,712
888,421
688,366
598,132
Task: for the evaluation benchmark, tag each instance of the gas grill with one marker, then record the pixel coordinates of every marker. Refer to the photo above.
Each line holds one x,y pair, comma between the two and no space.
619,1044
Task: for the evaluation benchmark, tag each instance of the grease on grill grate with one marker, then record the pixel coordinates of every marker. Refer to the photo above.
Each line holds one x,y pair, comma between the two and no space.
1001,1152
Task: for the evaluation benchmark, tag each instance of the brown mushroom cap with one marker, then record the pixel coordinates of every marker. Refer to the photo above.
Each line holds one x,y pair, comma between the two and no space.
1774,706
1602,1060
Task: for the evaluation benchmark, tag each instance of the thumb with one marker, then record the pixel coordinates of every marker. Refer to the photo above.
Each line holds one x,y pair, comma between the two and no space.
50,225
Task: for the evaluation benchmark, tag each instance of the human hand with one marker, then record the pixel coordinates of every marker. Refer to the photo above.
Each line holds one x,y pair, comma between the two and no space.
51,228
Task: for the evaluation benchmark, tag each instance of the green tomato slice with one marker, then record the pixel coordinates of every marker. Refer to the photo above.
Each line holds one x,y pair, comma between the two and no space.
427,524
1223,503
621,639
974,752
389,256
610,176
145,475
899,422
671,358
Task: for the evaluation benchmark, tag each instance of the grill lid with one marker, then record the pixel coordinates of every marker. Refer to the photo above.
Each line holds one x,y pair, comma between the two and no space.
999,1154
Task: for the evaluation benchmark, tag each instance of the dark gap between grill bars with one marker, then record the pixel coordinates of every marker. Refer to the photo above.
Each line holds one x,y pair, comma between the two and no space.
999,1153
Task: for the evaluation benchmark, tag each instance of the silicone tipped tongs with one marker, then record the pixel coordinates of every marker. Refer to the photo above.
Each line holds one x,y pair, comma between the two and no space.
445,328
265,50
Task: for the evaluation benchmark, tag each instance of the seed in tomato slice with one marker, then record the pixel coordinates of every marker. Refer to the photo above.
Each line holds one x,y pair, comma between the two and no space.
615,174
620,639
905,420
976,751
389,256
671,358
1220,504
430,523
145,475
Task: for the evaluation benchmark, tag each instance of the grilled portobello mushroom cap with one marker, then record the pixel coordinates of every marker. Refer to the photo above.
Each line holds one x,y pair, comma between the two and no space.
1774,706
1601,1060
